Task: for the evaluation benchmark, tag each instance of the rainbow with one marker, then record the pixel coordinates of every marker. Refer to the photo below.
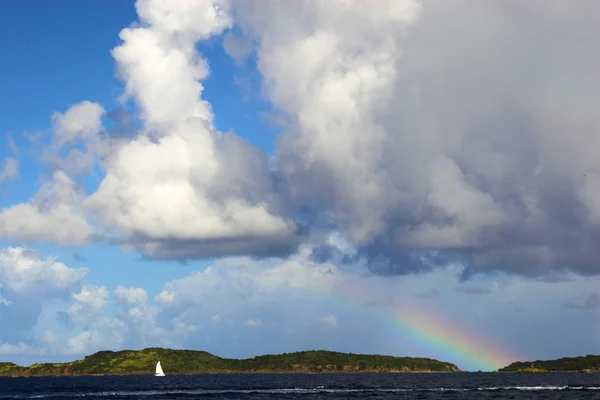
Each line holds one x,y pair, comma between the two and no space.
448,340
432,332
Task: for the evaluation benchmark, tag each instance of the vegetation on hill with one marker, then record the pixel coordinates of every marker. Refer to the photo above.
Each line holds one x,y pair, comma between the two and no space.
6,368
190,361
568,364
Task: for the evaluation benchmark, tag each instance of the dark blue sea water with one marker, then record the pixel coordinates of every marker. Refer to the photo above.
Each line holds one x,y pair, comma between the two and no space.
308,386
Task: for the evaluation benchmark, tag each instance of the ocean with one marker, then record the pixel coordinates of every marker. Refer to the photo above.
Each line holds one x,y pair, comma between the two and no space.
308,386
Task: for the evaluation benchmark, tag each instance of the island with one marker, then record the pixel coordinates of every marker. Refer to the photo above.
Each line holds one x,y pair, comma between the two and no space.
589,363
129,362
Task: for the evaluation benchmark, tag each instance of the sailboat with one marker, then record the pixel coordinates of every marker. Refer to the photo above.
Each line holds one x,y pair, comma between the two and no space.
159,371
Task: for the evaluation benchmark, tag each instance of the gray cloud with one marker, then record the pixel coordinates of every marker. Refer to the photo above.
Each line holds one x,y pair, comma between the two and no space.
462,129
122,123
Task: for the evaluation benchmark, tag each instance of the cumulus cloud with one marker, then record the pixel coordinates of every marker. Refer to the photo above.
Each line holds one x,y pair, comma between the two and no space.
24,271
27,281
55,214
432,131
133,296
80,122
75,148
91,298
180,188
98,321
80,142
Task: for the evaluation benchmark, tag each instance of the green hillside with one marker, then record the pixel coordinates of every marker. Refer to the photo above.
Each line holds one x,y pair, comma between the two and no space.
190,361
568,364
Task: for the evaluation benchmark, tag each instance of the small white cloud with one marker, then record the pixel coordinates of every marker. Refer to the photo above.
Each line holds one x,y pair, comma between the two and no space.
3,301
165,298
254,323
49,337
10,170
215,318
80,121
92,296
131,295
78,344
329,320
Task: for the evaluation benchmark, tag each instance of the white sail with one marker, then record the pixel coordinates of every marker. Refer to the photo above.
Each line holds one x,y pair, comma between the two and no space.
159,371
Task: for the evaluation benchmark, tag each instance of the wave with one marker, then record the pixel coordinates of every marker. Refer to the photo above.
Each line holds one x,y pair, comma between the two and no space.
319,389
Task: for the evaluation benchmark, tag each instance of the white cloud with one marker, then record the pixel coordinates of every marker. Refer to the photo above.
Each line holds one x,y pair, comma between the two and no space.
79,141
252,280
53,215
92,298
134,296
58,203
82,121
329,320
104,334
253,323
23,271
181,189
10,171
7,349
4,302
29,282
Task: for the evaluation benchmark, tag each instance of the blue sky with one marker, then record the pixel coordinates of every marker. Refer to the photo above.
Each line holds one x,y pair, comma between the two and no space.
246,178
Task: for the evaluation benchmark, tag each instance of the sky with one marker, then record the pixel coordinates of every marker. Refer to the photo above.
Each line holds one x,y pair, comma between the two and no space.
402,177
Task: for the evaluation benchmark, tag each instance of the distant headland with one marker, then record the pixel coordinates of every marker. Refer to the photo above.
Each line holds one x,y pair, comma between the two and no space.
588,363
130,362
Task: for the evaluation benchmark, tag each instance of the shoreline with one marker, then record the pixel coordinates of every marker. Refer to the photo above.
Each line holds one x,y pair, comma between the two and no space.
268,372
260,372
